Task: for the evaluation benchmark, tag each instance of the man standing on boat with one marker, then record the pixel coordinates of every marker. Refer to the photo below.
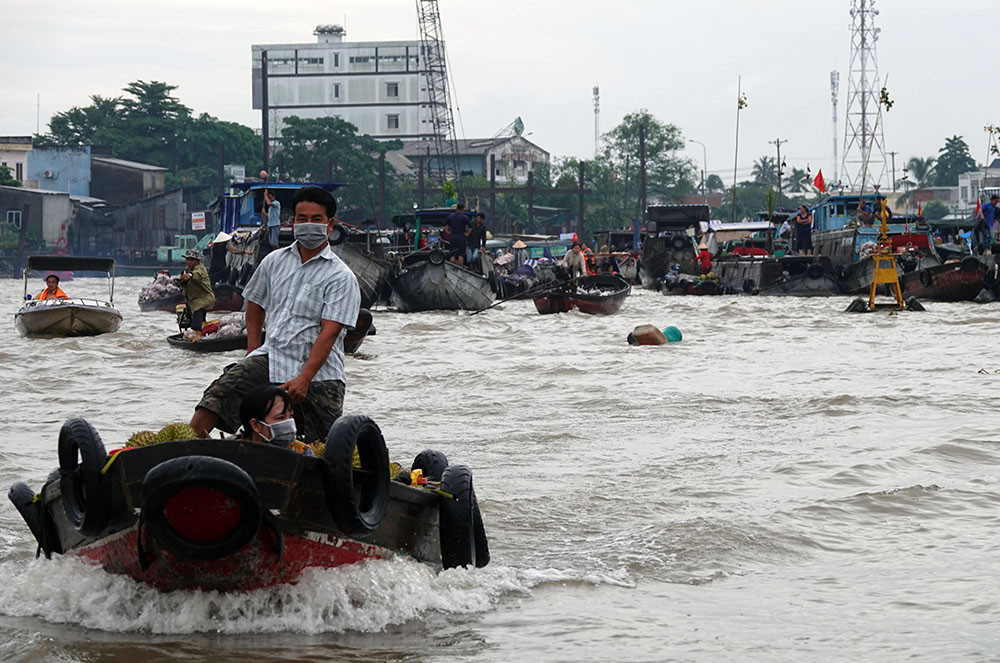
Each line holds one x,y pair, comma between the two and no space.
307,296
273,208
803,231
458,232
574,262
197,289
477,239
984,225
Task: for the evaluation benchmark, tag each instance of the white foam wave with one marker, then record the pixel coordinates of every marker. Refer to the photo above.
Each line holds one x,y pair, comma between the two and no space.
366,597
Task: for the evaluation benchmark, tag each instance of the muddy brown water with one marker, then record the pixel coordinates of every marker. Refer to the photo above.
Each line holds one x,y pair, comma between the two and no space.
788,483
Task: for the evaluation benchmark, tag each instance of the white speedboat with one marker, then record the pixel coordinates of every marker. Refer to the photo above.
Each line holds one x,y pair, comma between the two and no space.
74,316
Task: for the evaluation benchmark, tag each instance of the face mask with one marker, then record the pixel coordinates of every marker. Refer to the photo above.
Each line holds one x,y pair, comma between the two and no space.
310,235
282,432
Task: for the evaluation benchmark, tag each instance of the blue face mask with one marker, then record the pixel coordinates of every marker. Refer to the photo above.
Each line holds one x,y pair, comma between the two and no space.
310,235
282,432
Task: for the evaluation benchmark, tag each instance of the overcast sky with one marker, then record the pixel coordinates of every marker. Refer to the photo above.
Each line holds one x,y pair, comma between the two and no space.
540,59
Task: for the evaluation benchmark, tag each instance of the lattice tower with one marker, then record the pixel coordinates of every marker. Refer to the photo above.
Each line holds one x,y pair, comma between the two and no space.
444,148
862,132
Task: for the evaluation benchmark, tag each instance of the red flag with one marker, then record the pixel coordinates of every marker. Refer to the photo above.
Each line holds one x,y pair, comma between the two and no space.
819,183
920,211
979,209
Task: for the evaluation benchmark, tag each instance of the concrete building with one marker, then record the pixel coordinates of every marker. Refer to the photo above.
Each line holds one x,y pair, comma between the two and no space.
378,86
514,157
59,169
120,182
14,154
37,214
971,183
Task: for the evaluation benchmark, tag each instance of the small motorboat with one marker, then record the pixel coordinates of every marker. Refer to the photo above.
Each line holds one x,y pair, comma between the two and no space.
234,515
73,316
600,294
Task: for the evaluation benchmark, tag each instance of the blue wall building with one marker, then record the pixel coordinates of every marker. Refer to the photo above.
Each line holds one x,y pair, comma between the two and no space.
60,169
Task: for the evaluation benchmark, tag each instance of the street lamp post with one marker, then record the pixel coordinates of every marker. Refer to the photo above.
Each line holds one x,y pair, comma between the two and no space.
704,168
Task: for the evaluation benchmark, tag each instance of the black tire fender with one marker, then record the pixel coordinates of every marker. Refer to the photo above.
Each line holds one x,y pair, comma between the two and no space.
492,278
925,278
479,532
358,498
224,291
457,518
23,499
433,463
749,286
86,492
991,277
679,243
436,257
172,476
969,264
337,235
815,271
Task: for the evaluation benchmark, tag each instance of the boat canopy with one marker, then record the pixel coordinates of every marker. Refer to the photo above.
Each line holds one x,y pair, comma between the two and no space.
69,264
661,218
247,186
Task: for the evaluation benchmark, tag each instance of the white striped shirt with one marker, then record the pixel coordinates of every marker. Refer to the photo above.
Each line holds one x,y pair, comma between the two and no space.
296,296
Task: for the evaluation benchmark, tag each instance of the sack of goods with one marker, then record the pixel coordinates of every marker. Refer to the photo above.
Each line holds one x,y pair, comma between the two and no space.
163,286
228,325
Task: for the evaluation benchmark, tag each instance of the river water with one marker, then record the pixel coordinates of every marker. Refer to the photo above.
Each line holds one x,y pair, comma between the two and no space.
788,483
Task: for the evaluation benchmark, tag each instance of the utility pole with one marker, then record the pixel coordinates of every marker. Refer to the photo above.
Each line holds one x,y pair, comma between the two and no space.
893,155
777,143
642,169
263,106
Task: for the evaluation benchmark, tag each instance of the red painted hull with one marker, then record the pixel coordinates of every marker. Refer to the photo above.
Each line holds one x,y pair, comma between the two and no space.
265,561
950,282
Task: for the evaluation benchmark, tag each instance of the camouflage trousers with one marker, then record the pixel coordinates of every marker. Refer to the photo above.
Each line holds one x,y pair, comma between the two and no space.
323,404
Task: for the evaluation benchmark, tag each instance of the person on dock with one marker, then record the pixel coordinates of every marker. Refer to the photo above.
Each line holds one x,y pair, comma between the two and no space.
52,289
476,239
307,296
273,208
197,289
983,230
574,262
458,233
803,231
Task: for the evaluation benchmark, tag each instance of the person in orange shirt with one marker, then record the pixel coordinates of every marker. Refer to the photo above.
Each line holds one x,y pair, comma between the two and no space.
52,289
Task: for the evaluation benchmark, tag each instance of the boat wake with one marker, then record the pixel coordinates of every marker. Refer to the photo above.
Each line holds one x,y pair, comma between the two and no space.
367,597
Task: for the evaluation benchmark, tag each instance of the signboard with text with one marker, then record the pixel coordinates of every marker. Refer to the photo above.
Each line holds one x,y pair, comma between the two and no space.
197,221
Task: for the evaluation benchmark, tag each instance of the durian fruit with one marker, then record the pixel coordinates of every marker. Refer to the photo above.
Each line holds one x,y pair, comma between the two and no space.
173,432
141,439
319,448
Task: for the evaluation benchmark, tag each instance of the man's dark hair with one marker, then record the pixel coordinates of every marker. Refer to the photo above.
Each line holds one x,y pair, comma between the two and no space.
52,276
259,400
459,207
314,194
995,197
480,215
575,244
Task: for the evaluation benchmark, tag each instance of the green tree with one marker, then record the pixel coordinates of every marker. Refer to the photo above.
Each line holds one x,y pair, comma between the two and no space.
6,179
714,183
920,172
765,171
669,177
314,147
796,181
953,160
935,210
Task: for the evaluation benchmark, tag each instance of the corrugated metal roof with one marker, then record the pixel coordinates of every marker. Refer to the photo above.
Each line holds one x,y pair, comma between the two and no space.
122,163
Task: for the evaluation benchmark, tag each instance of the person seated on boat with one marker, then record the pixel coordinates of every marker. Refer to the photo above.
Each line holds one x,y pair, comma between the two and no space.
865,215
458,233
574,262
266,414
704,258
273,209
52,289
308,297
197,289
476,239
803,231
785,231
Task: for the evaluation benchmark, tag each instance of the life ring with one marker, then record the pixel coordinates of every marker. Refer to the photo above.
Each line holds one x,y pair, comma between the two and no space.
358,498
457,518
433,463
228,516
679,243
436,257
337,235
969,264
815,271
925,278
23,499
86,494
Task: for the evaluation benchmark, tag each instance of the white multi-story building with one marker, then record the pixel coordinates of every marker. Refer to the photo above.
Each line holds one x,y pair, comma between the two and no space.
971,183
378,87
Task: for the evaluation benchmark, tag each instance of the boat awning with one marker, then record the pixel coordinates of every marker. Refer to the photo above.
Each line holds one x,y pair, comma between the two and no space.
69,264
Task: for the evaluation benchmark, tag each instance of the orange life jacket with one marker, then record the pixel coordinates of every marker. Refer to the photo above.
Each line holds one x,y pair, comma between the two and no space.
44,294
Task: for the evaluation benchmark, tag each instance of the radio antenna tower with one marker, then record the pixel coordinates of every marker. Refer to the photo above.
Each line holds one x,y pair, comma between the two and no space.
834,92
597,121
862,102
445,149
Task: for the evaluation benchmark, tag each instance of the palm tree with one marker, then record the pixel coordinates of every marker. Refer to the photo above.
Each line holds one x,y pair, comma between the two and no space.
796,180
920,171
765,171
